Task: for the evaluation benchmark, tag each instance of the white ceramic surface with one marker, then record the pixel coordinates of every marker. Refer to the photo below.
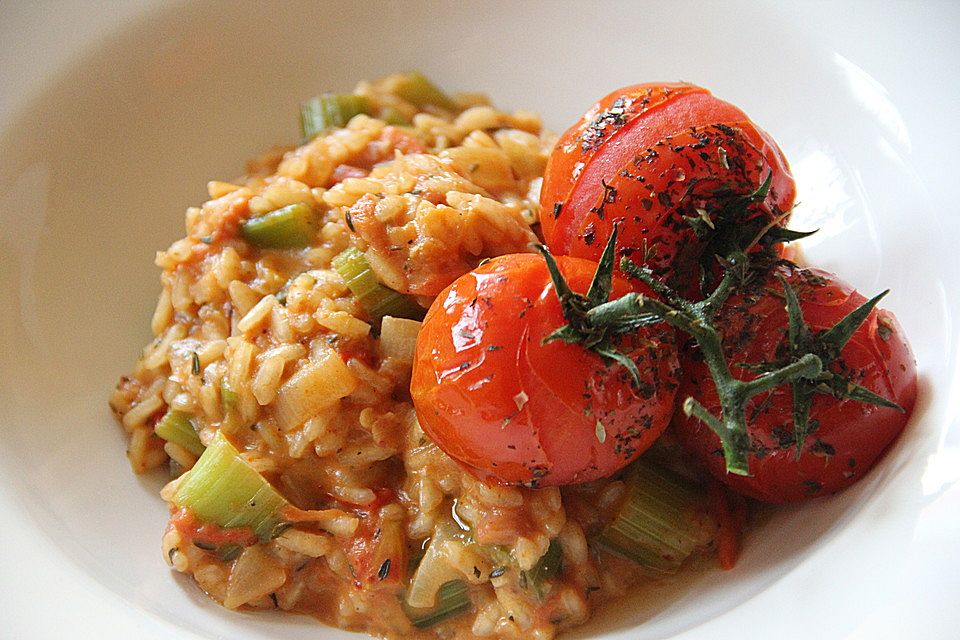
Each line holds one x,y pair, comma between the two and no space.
114,115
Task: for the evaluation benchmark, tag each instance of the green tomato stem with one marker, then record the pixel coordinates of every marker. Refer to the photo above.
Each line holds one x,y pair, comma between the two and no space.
593,322
809,367
734,440
694,319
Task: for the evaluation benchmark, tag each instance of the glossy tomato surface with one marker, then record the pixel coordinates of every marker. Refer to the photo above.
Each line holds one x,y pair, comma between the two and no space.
516,411
656,156
848,436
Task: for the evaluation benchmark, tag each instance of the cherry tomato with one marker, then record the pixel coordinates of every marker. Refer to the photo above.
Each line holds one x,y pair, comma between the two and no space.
513,410
847,436
656,157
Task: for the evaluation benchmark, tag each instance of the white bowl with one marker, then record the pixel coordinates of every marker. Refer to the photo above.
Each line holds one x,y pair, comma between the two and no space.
113,118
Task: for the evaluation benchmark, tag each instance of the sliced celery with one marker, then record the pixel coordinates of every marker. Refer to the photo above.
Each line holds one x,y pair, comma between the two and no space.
177,428
394,117
228,397
416,89
548,568
330,110
229,552
224,490
378,300
453,598
289,227
659,521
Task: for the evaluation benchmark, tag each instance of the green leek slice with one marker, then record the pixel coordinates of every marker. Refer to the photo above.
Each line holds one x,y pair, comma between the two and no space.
377,299
547,569
659,521
228,397
223,489
417,89
177,428
290,227
330,110
394,117
453,598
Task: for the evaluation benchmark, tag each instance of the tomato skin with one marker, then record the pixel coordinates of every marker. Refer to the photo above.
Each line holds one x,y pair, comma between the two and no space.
515,411
650,155
851,435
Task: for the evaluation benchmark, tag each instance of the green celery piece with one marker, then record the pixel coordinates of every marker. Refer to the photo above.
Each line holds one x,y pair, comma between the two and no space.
453,598
228,397
177,428
290,227
224,490
377,299
330,110
658,522
417,89
394,117
548,568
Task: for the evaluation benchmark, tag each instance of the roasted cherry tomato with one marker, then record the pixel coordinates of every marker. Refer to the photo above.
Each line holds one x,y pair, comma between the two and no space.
670,161
845,436
516,411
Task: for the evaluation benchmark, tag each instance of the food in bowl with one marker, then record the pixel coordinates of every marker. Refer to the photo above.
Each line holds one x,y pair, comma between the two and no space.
386,404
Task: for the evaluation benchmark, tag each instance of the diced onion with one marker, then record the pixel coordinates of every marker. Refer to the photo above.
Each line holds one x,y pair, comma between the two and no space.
398,338
318,384
433,572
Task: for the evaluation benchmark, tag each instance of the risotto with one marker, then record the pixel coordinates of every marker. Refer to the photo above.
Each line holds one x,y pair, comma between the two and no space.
277,391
